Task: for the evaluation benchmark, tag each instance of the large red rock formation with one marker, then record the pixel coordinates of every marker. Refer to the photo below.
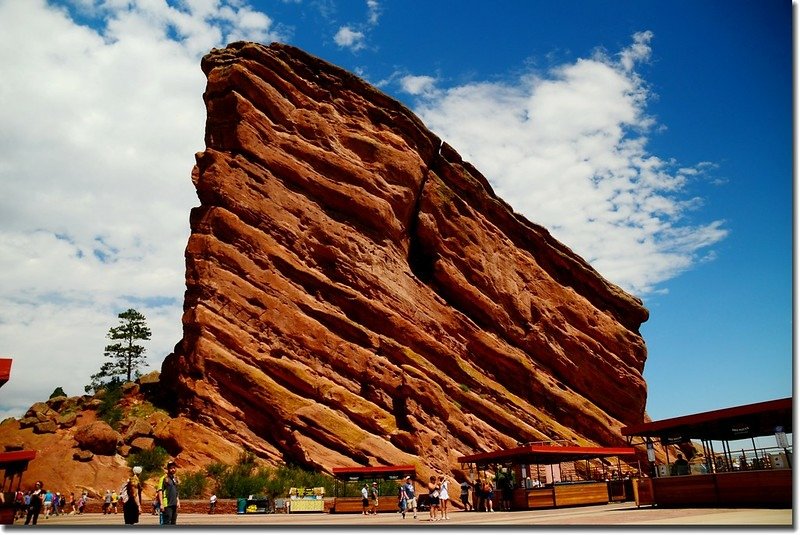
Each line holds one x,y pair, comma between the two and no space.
357,293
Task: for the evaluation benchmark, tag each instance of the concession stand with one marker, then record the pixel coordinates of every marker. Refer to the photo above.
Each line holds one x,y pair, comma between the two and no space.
349,480
306,500
731,470
550,475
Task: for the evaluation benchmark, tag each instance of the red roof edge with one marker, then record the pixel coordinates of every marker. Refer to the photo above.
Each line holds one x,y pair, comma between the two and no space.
710,416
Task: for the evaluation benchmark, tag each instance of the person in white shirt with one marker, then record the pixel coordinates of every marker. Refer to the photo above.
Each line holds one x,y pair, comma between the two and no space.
444,496
365,498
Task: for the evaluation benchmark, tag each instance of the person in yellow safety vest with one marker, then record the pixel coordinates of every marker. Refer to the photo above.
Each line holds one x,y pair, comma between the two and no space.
167,493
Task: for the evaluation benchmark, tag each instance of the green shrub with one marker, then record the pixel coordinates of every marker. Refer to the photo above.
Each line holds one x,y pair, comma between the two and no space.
109,410
216,471
238,483
193,484
152,461
143,410
246,477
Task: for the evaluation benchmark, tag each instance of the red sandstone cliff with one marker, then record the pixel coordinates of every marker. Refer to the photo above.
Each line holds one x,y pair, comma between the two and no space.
357,294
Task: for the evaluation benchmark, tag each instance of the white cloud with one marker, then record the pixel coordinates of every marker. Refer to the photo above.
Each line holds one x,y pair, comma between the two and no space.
354,36
419,85
347,37
98,128
568,151
639,51
373,12
97,134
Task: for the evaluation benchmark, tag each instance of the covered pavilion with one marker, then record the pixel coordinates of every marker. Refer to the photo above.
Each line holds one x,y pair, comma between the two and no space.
562,488
348,481
761,476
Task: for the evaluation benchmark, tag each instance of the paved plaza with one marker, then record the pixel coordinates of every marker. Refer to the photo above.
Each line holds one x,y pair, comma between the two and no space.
617,514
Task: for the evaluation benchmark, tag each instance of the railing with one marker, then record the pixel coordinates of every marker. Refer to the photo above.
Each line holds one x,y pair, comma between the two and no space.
740,460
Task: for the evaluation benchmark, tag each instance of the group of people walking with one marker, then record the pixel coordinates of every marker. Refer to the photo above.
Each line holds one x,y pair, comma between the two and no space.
438,498
33,503
482,496
30,505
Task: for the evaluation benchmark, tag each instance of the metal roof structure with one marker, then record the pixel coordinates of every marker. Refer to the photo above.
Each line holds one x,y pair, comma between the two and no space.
745,421
544,454
372,472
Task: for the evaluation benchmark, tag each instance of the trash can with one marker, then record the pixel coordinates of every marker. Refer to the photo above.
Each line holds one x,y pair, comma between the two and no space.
241,505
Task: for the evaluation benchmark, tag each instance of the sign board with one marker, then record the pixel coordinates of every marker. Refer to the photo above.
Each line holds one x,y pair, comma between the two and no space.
780,437
740,429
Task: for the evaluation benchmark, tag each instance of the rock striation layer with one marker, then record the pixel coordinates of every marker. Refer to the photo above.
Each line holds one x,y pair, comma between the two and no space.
357,294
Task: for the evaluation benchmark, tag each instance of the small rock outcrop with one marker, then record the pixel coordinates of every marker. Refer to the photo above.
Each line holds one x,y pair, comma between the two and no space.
357,294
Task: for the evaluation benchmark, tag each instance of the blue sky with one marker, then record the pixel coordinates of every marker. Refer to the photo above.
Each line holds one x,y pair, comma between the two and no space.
654,138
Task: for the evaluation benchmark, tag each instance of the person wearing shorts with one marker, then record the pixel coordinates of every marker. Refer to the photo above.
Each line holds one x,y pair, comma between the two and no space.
364,498
433,498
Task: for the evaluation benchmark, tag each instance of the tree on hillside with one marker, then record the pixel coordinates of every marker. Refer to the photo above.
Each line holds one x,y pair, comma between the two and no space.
126,356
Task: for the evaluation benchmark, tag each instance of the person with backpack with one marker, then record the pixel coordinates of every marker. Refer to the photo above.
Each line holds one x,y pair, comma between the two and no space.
132,506
107,502
402,500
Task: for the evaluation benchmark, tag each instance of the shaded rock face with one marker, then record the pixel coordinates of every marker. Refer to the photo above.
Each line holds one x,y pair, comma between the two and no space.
357,294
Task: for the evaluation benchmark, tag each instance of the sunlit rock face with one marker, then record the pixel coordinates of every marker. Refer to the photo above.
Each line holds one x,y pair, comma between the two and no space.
357,294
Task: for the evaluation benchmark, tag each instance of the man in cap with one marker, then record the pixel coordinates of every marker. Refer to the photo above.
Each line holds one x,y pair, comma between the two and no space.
411,496
374,496
167,493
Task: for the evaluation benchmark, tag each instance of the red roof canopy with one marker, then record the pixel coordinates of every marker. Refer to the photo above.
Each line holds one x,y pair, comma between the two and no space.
5,370
12,457
544,454
744,421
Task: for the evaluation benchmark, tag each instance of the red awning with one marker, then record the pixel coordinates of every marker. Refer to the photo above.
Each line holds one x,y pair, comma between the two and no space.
544,454
5,370
744,421
13,457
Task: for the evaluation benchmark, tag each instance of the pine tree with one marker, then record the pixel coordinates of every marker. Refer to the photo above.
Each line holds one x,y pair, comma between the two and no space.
125,354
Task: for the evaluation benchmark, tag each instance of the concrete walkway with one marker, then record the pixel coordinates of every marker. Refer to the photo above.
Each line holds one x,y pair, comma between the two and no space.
590,516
